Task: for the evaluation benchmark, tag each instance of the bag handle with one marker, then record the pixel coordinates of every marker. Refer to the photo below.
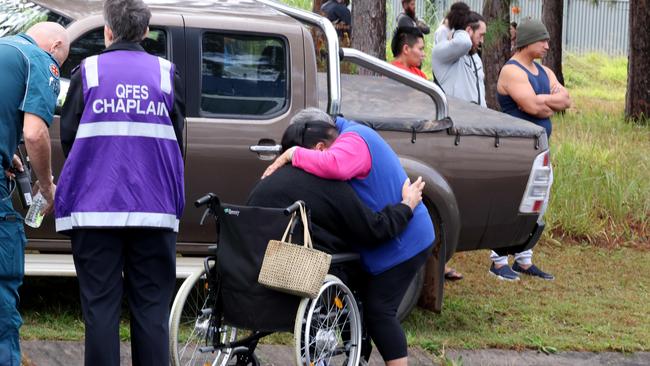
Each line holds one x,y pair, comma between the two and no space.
286,232
306,235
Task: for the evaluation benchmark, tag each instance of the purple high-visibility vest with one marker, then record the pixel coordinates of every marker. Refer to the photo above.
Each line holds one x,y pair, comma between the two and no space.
125,168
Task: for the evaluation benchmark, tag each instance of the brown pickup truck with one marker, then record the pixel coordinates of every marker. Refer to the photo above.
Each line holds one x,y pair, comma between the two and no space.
248,66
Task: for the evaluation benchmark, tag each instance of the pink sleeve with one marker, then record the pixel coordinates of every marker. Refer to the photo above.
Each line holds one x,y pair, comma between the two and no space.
347,158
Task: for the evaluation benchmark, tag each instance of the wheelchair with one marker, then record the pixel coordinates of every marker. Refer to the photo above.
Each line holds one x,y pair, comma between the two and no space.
221,312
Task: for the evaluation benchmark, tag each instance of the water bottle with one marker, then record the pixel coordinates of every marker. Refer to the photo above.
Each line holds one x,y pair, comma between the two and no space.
24,186
34,217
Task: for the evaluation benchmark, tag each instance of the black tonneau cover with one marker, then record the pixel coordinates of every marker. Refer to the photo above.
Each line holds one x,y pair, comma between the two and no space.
404,124
385,104
472,119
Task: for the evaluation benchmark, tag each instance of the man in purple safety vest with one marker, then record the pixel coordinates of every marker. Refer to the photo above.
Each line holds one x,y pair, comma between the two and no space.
121,194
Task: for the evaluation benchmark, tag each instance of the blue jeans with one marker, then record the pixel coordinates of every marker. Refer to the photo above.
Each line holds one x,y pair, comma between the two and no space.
12,269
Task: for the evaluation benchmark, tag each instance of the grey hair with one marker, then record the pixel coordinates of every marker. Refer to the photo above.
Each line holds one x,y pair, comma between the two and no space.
312,115
128,19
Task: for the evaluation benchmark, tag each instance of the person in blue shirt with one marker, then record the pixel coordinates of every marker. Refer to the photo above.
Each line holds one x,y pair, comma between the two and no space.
29,71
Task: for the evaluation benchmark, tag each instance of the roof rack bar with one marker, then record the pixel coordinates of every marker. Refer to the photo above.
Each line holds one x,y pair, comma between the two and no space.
379,66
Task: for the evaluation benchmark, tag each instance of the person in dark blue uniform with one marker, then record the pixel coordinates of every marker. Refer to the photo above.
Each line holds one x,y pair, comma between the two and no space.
29,70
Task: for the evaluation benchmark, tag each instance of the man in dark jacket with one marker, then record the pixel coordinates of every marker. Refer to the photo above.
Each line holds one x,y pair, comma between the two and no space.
408,18
338,13
121,193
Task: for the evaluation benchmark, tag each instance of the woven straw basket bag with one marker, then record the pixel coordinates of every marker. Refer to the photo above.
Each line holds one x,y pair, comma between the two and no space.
292,268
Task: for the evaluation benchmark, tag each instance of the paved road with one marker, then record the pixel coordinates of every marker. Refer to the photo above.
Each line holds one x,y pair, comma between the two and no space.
48,353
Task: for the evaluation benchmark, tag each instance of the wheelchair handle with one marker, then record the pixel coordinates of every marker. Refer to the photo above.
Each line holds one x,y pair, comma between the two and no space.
208,198
293,208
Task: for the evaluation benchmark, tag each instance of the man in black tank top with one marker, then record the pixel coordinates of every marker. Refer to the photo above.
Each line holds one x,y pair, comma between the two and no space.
531,91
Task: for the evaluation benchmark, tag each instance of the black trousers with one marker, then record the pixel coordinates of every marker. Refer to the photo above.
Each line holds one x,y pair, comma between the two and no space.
382,296
140,263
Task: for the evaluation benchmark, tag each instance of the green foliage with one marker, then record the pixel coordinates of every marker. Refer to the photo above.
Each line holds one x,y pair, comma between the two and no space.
601,193
496,30
301,4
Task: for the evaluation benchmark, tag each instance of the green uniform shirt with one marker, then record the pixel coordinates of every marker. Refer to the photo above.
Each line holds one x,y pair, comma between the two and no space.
29,82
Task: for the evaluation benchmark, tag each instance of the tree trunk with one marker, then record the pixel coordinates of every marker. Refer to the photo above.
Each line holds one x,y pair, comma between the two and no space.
316,6
369,27
552,14
496,49
637,98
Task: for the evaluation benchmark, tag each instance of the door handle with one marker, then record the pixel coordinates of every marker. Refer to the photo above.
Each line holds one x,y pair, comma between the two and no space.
266,152
266,149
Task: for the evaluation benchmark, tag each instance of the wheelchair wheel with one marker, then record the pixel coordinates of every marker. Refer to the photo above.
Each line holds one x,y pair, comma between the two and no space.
328,328
192,327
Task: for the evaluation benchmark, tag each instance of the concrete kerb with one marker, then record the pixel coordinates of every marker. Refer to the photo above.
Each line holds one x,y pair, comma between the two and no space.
55,353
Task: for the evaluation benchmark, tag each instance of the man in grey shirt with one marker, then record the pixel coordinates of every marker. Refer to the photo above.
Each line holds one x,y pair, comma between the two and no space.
455,62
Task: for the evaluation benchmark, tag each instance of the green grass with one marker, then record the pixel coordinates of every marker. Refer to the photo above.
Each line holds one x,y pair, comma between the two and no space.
601,192
597,303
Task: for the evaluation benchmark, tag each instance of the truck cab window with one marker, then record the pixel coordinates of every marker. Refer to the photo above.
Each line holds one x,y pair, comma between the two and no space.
243,75
92,43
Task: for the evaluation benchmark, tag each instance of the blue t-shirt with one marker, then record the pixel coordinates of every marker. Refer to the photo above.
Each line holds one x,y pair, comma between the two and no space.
541,85
30,84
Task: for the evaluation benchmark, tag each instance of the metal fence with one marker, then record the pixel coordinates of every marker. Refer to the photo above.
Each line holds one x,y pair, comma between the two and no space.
586,27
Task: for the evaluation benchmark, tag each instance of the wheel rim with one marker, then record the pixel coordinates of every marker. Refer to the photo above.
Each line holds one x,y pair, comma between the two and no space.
193,327
331,333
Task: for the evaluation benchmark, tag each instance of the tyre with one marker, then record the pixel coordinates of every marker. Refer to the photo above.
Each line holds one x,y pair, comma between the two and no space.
328,328
192,327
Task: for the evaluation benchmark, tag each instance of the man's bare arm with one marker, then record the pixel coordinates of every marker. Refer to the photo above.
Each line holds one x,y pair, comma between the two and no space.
559,98
37,142
514,82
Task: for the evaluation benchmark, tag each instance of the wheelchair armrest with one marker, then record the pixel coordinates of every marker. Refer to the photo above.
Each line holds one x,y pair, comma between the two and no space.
344,257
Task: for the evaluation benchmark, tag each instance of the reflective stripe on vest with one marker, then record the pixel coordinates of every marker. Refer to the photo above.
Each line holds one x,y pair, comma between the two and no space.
165,75
132,129
117,219
92,73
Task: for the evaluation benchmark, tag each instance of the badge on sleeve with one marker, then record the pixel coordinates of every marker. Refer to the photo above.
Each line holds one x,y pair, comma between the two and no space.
54,70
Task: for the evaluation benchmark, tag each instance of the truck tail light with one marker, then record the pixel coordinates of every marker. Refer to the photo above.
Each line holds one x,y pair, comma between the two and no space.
539,185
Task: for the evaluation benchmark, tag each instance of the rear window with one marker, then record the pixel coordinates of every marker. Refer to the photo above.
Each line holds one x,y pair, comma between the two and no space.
243,75
17,16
